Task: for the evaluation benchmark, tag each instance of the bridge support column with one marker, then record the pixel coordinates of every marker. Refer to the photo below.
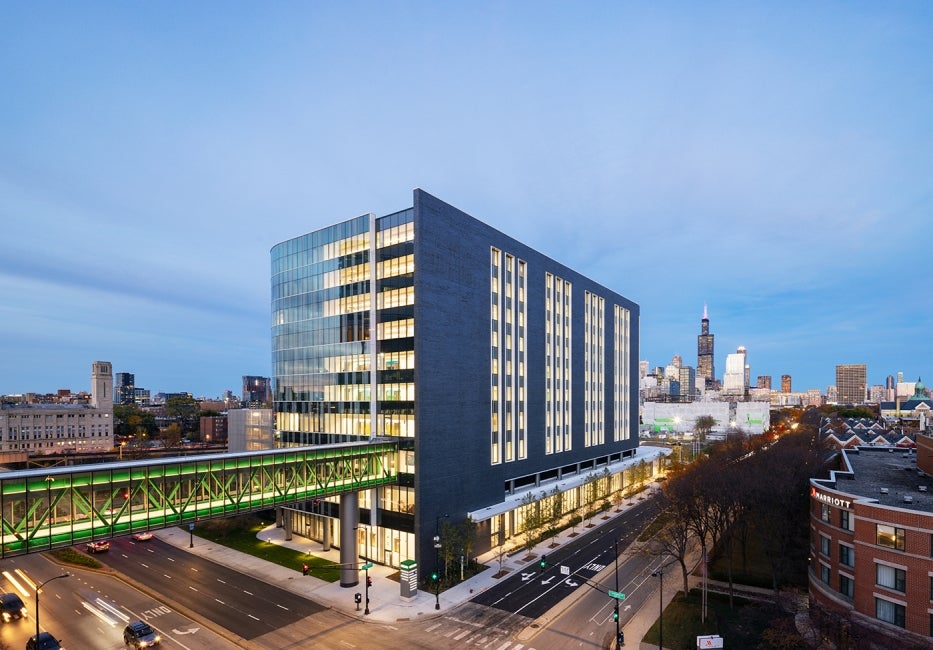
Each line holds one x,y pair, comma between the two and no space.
349,558
287,516
325,524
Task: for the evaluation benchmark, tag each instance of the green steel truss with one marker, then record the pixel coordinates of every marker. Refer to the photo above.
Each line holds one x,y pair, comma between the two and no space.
51,508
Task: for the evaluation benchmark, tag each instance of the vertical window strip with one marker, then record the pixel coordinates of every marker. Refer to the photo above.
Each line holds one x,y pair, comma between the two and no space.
521,401
566,384
504,378
495,419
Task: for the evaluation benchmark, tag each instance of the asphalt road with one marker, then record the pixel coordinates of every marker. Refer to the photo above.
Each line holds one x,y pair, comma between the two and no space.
248,607
89,610
569,567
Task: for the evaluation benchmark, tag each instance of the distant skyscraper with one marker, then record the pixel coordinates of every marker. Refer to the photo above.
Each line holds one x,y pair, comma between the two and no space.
735,379
851,380
257,391
785,384
706,370
124,388
764,381
686,375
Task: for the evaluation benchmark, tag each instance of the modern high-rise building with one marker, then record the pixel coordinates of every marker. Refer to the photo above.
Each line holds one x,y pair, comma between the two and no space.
764,381
257,391
499,371
785,384
687,376
735,379
851,383
706,369
124,388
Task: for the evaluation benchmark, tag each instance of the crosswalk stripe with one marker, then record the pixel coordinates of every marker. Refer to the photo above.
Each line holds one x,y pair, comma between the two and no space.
461,635
434,627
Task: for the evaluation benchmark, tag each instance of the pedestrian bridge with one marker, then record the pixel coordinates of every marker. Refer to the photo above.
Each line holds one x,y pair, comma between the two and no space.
46,508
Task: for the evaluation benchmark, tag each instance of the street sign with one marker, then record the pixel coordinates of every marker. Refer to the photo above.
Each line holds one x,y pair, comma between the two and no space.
564,570
710,641
368,565
616,594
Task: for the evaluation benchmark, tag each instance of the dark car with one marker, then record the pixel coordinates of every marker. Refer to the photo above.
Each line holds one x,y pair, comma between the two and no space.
43,641
11,606
139,635
99,546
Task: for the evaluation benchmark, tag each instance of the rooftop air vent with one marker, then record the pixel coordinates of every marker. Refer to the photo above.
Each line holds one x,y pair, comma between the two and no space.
908,498
922,488
884,490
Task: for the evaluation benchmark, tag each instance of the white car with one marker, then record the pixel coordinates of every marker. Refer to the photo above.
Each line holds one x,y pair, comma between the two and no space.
144,536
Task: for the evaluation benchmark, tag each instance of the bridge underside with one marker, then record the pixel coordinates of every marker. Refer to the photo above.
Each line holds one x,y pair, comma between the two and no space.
52,508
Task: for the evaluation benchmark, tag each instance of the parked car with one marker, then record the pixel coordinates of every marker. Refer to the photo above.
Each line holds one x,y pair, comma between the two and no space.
144,536
43,641
139,635
99,546
11,606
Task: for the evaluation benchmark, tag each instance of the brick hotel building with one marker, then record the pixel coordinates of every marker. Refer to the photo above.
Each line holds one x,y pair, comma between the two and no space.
499,370
871,570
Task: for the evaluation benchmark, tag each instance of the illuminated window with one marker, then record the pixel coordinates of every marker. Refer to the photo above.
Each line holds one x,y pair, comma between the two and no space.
890,537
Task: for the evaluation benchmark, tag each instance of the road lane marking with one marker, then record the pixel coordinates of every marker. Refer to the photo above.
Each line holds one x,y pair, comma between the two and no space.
282,606
461,635
252,617
191,588
248,593
433,627
220,601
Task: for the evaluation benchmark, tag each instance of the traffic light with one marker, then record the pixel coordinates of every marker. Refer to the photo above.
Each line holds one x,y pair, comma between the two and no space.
369,581
543,562
434,576
621,637
357,598
615,614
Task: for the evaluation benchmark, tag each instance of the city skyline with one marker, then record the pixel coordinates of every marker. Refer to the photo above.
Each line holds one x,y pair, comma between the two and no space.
767,161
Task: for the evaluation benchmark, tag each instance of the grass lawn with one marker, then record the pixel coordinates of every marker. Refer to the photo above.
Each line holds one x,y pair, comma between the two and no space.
749,625
240,533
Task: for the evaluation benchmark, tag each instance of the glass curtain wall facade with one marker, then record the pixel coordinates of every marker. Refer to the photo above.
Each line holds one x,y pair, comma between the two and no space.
343,356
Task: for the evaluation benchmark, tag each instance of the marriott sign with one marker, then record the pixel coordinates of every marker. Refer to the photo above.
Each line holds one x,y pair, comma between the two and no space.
831,500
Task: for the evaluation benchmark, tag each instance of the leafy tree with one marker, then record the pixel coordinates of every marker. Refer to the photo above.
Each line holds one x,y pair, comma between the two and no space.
183,409
554,510
171,435
703,425
531,516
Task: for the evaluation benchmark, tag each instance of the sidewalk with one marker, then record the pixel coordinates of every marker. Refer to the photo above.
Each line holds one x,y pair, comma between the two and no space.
386,603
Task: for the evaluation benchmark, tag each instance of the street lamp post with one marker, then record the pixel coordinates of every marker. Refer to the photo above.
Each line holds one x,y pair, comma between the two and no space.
365,529
616,612
660,575
38,588
437,546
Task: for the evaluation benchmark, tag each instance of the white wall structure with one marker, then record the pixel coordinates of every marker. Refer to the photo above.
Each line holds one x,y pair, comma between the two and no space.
668,417
250,429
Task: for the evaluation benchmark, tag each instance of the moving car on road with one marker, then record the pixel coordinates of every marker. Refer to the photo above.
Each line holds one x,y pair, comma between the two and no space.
139,635
43,641
99,546
11,606
144,536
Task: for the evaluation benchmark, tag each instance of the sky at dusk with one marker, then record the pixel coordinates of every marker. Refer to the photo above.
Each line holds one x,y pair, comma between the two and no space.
773,161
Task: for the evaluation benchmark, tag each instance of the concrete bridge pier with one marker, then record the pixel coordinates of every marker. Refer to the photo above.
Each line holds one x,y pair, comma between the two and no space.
349,521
